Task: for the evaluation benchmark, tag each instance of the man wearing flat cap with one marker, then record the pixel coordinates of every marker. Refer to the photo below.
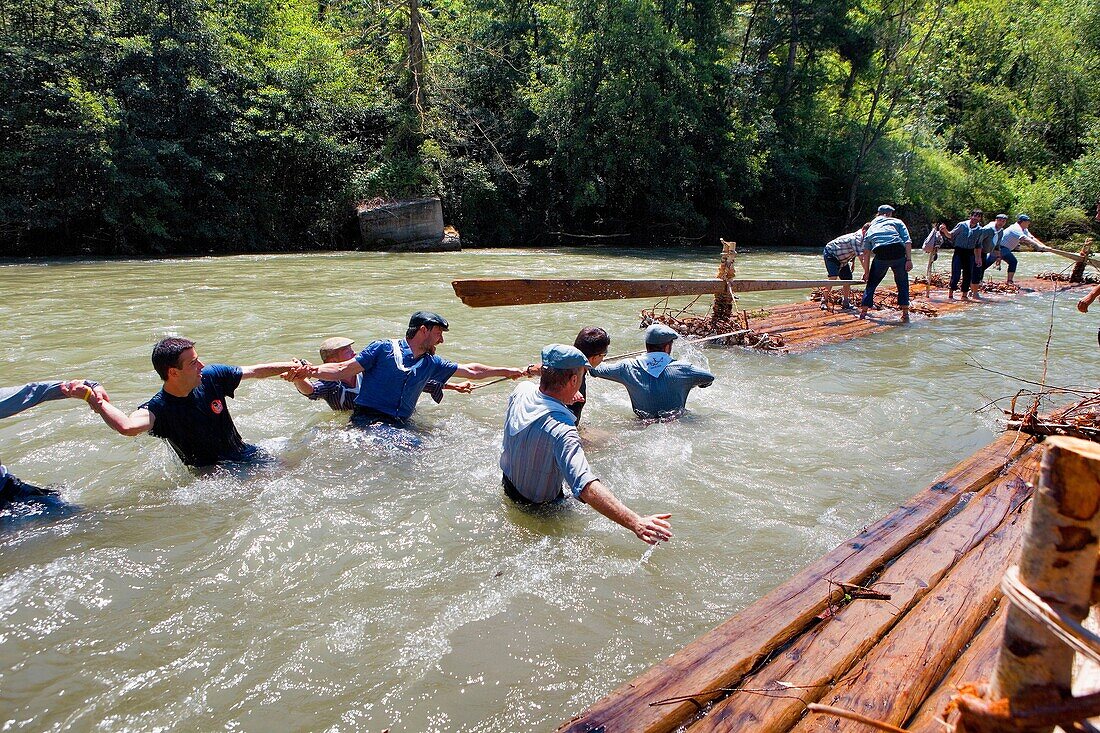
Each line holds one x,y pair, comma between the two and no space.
1018,232
395,371
658,385
892,250
340,395
543,453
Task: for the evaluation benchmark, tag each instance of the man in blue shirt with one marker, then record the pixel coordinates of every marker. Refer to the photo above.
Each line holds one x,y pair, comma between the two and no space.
542,449
966,237
340,395
395,371
892,248
14,400
190,412
657,384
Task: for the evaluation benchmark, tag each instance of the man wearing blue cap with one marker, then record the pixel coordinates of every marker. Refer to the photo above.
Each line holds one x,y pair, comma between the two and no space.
1013,235
892,249
395,371
657,384
542,448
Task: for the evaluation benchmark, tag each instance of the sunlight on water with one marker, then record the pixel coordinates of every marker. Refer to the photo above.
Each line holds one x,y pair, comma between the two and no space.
354,586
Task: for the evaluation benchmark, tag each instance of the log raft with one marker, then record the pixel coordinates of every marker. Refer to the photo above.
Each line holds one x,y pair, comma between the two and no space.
804,326
883,626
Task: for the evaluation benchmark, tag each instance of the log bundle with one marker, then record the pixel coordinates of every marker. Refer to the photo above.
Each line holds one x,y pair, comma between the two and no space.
873,627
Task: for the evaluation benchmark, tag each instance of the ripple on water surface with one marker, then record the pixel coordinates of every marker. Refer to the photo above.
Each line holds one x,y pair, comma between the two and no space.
355,586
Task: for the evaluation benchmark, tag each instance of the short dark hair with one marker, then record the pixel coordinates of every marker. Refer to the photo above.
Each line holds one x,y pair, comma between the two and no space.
166,354
550,378
592,340
977,212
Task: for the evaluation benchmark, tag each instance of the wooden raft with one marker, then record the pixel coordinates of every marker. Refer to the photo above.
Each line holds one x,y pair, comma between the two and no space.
939,558
804,326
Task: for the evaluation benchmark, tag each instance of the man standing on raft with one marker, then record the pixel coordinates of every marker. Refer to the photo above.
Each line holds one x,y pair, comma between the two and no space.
542,448
892,248
396,371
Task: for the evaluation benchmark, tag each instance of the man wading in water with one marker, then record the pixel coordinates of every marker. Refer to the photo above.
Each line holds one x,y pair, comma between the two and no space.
190,411
542,448
395,372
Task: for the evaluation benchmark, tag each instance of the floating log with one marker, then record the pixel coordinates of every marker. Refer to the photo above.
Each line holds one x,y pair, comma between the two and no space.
897,675
527,291
1068,255
721,657
805,671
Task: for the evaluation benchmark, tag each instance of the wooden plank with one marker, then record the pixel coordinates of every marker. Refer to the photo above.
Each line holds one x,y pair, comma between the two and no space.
899,672
527,291
723,655
804,671
975,664
1068,255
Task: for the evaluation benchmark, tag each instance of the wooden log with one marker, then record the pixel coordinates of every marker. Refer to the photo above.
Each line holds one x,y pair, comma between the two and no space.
1057,562
976,663
900,671
528,291
723,655
1068,255
803,672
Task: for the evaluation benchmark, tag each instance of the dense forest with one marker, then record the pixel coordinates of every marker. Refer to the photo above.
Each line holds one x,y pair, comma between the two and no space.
155,126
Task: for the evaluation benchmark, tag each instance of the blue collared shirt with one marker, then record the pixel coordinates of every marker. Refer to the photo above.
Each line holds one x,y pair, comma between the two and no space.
884,232
964,236
650,396
393,379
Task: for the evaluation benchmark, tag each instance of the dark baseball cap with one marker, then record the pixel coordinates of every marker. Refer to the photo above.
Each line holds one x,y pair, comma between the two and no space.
429,319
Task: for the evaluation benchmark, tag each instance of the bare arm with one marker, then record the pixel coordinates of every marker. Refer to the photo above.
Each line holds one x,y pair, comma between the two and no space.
137,422
865,260
1084,303
331,372
652,529
263,371
480,371
908,256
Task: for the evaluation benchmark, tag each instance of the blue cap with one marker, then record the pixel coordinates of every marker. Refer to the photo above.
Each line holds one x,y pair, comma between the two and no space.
1023,217
429,319
560,356
886,209
659,334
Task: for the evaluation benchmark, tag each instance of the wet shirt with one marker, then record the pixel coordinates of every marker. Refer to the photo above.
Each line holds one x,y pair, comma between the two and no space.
393,379
542,448
14,400
964,236
886,237
338,395
199,427
658,386
846,247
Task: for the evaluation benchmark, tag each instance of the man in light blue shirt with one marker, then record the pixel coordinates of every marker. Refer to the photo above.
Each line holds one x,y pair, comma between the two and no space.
542,449
1013,235
657,384
892,248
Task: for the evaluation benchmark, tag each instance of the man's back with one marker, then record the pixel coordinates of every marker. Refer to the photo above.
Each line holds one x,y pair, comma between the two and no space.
657,386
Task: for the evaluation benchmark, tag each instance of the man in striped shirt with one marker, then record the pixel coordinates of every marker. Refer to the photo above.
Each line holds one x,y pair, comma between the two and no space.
542,448
839,254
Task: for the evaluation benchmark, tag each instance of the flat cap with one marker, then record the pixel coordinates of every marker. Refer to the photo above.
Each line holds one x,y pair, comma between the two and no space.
429,319
886,209
1001,216
659,334
1023,217
560,356
335,343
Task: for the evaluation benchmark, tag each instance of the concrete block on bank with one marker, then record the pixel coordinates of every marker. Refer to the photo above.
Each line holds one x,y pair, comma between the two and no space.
406,226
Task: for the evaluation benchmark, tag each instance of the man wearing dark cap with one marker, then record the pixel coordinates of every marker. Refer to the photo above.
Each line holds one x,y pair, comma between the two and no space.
892,250
657,384
340,395
395,371
1013,235
543,452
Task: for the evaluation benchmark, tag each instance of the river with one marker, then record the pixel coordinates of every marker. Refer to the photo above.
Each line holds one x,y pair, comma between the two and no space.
355,586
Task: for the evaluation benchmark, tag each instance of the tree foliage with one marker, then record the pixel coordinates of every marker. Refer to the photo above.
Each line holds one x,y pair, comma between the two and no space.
150,126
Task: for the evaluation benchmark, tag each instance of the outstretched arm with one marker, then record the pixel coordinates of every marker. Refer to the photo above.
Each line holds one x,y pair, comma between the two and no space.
480,371
137,422
14,400
331,372
263,371
1084,303
652,529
